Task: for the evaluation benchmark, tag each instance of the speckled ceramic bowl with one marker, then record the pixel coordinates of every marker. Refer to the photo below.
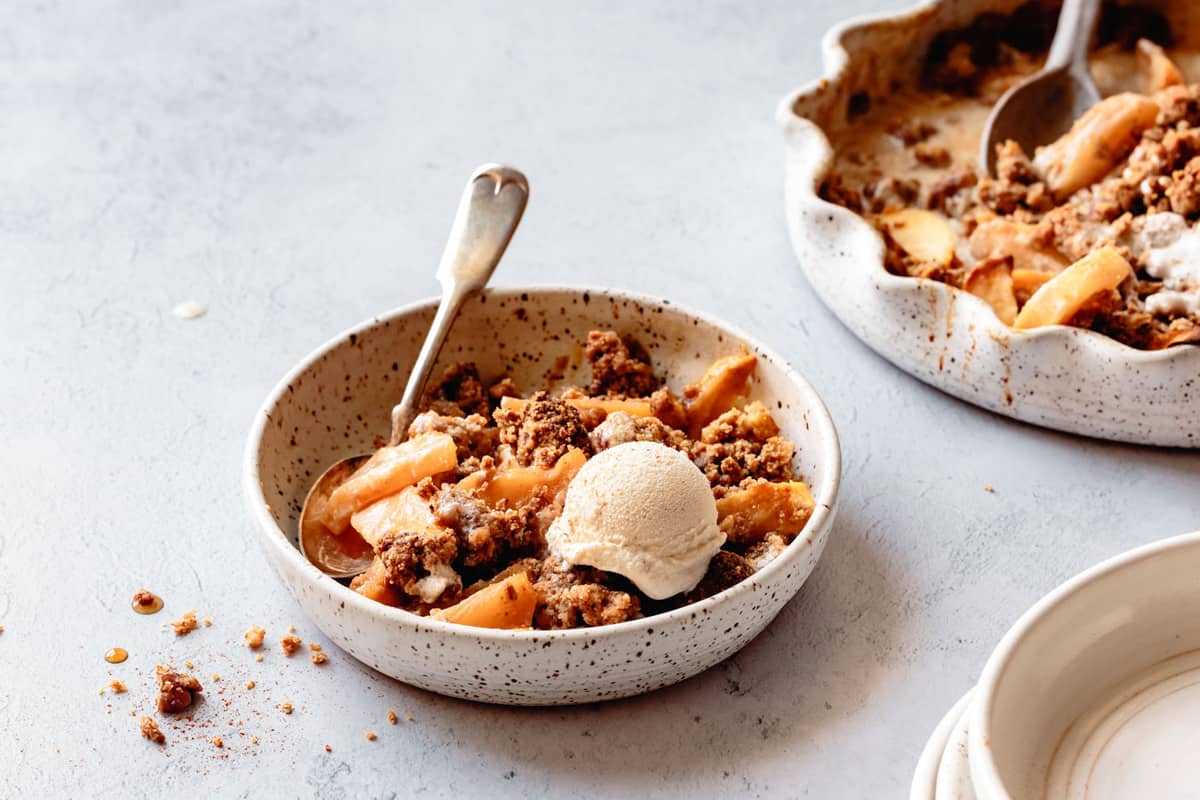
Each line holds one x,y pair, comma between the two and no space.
337,400
1059,377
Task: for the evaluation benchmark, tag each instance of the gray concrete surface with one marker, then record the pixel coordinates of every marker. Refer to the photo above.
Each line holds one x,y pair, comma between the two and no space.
294,166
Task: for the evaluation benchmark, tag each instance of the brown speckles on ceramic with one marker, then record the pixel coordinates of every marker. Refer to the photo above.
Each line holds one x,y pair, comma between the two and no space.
337,403
1059,377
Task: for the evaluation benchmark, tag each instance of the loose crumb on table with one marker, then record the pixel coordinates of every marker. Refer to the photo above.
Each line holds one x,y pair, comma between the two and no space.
150,731
371,736
291,643
176,690
285,708
392,718
254,637
319,658
185,624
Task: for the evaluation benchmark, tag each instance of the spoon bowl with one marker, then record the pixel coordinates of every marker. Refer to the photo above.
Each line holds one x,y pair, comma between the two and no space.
337,556
1037,111
1043,107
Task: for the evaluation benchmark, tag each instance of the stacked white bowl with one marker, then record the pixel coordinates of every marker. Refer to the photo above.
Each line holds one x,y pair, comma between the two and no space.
1094,693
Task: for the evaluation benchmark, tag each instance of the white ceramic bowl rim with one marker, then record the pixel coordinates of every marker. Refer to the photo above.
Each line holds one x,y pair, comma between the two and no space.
825,496
983,767
836,60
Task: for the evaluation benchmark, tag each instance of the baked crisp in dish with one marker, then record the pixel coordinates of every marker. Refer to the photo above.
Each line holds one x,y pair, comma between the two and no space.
1096,230
590,506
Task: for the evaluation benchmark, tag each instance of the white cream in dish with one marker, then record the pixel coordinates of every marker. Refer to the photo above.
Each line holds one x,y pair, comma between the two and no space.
642,510
1173,257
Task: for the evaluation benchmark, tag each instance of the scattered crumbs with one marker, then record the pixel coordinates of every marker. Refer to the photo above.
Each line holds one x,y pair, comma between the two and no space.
118,687
392,718
217,741
208,622
189,309
328,749
258,657
253,740
185,624
189,665
291,643
989,489
316,648
285,708
100,690
150,731
371,736
216,677
249,684
409,717
319,658
254,637
1,629
291,628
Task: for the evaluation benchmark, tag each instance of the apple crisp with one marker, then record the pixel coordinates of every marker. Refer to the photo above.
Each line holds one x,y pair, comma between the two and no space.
1096,230
457,515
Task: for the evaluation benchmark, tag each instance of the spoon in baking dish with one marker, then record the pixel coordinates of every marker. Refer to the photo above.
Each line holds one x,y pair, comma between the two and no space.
1042,107
488,215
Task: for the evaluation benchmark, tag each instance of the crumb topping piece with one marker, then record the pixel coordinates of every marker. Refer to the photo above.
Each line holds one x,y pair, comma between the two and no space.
542,431
619,366
176,690
458,393
391,716
285,708
571,597
185,624
150,731
319,658
254,637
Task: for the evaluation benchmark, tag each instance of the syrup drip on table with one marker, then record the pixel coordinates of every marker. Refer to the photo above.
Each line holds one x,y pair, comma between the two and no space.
116,655
146,602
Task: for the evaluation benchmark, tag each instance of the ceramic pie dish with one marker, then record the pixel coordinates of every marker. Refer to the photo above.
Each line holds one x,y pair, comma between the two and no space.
1060,377
338,399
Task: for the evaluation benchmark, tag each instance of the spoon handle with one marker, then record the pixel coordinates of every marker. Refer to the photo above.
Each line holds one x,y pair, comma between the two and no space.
1076,21
488,214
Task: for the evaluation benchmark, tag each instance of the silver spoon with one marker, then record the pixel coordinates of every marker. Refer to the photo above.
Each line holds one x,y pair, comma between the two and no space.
488,215
1042,107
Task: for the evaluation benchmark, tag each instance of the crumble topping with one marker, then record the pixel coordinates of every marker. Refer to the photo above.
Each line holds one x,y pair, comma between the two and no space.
569,597
290,643
620,366
254,637
458,393
176,690
185,624
150,730
542,431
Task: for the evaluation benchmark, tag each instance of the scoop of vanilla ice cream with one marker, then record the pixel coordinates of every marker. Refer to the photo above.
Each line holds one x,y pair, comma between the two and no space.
642,510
